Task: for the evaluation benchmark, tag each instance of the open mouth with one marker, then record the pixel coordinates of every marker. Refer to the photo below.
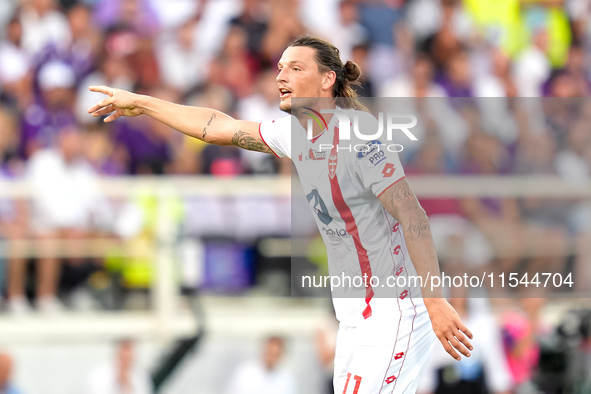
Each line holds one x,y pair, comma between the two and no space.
284,93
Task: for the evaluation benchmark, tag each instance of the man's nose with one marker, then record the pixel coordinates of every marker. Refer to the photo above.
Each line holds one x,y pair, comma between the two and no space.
282,76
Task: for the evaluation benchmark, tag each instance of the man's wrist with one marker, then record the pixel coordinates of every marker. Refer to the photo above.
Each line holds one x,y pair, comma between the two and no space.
144,104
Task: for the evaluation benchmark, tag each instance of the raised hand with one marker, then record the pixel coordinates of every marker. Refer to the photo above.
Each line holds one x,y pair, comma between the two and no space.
119,103
448,327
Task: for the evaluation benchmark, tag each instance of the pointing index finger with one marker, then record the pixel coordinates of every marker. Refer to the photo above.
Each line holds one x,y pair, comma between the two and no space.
101,89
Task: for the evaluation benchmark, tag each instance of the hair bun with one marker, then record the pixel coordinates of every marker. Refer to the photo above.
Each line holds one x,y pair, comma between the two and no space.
352,71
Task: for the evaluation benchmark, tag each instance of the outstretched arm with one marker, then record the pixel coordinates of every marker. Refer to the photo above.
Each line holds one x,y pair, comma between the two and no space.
400,201
206,124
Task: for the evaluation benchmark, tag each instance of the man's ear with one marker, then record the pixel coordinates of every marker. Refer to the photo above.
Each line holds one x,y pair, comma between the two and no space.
329,80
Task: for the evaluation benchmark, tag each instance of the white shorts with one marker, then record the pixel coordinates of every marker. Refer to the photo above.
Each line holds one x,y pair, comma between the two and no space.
384,355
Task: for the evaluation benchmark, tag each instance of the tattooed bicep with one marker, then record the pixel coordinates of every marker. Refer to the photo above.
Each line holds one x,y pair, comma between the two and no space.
246,140
399,200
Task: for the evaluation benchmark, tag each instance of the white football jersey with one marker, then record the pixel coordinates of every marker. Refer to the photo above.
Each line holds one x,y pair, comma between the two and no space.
342,187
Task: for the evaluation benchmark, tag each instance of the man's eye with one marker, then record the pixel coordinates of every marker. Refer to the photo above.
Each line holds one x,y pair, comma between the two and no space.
296,69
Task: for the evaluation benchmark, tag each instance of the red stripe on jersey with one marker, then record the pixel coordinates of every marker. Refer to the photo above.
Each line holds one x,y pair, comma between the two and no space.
266,141
351,226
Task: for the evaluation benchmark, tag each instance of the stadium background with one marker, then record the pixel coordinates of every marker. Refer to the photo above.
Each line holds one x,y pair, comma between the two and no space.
151,236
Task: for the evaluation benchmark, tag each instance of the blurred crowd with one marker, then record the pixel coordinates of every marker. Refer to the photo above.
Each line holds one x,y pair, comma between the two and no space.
509,77
223,54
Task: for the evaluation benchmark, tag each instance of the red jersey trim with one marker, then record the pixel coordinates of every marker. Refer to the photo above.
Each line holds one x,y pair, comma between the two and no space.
265,142
393,183
318,136
351,227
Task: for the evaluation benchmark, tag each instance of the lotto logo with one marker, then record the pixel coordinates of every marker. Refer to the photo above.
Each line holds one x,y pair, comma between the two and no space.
403,294
388,170
398,356
390,379
395,228
397,250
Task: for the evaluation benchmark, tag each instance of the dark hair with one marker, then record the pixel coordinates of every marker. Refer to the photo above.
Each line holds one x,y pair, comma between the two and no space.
328,58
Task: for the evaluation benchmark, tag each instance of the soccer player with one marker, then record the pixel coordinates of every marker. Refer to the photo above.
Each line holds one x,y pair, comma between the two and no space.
369,218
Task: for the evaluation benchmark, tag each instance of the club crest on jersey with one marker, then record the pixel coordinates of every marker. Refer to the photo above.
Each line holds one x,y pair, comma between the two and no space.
332,165
313,155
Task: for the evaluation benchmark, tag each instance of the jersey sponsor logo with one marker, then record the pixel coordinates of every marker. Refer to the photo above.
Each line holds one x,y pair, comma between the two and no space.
390,379
398,356
313,155
372,152
339,232
368,149
396,226
388,170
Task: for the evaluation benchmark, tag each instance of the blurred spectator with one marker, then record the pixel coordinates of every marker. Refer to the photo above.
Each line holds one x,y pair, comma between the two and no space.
135,15
43,24
65,205
53,111
359,55
6,387
253,21
442,47
520,330
456,79
426,17
15,68
419,83
532,67
284,25
326,335
183,65
486,371
236,66
349,32
265,375
499,82
121,376
14,231
81,51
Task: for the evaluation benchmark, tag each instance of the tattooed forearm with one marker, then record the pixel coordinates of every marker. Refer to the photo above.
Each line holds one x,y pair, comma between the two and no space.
416,229
244,140
208,124
402,193
399,199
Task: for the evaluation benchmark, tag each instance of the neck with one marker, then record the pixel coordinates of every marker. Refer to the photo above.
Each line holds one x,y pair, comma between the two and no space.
317,118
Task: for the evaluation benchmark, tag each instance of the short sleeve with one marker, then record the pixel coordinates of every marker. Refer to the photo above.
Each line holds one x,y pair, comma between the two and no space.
378,166
276,135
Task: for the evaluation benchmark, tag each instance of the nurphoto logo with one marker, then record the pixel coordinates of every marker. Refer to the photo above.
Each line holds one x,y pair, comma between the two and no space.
388,122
